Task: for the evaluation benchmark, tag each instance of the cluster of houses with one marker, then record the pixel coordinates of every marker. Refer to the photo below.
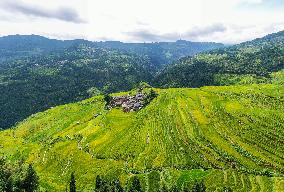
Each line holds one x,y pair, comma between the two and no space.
127,102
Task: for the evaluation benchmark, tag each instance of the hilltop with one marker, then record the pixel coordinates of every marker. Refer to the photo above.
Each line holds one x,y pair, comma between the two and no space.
229,137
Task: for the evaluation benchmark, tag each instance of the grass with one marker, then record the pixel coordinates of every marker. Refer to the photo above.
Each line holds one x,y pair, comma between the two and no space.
230,136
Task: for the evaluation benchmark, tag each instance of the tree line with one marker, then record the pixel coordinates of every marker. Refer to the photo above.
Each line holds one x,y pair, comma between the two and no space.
113,185
17,177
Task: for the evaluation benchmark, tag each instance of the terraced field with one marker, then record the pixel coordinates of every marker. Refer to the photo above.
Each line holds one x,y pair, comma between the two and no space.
228,137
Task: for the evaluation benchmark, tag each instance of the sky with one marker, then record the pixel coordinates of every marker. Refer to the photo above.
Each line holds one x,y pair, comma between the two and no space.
224,21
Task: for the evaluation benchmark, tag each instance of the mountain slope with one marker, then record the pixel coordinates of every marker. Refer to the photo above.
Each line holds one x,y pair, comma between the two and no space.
226,136
162,53
34,84
249,62
37,73
18,46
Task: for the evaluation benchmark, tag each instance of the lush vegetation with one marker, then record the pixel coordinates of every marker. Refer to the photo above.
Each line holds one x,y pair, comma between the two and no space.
19,46
218,138
161,53
49,72
17,177
35,84
225,138
37,73
246,63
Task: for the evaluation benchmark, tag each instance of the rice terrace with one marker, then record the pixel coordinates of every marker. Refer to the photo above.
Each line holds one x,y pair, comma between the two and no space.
141,96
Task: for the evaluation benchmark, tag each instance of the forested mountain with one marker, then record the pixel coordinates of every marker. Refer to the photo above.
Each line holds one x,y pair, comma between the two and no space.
249,62
17,46
162,53
226,138
37,73
33,84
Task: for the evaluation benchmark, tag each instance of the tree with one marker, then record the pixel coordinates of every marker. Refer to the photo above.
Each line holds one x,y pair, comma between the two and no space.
152,95
164,188
30,182
199,187
99,182
117,186
143,85
227,189
202,186
103,185
107,99
93,91
4,175
174,189
135,185
72,183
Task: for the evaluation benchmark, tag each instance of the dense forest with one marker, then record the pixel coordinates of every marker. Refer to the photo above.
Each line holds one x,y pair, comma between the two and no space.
246,63
34,84
37,73
162,53
19,46
17,176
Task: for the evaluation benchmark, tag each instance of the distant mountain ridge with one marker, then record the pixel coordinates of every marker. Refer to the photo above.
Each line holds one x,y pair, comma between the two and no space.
248,62
162,53
17,46
12,46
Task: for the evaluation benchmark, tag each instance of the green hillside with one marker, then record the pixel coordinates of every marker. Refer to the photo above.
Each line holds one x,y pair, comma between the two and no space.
34,84
245,63
162,53
230,138
37,73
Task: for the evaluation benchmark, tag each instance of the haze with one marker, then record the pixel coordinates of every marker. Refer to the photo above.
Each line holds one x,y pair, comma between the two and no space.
225,21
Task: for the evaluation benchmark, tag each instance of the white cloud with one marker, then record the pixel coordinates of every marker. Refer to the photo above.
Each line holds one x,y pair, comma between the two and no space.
228,21
62,13
251,1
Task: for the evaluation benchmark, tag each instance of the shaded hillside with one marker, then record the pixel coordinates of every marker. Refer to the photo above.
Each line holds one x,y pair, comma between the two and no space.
246,63
162,53
36,83
37,73
17,46
227,137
